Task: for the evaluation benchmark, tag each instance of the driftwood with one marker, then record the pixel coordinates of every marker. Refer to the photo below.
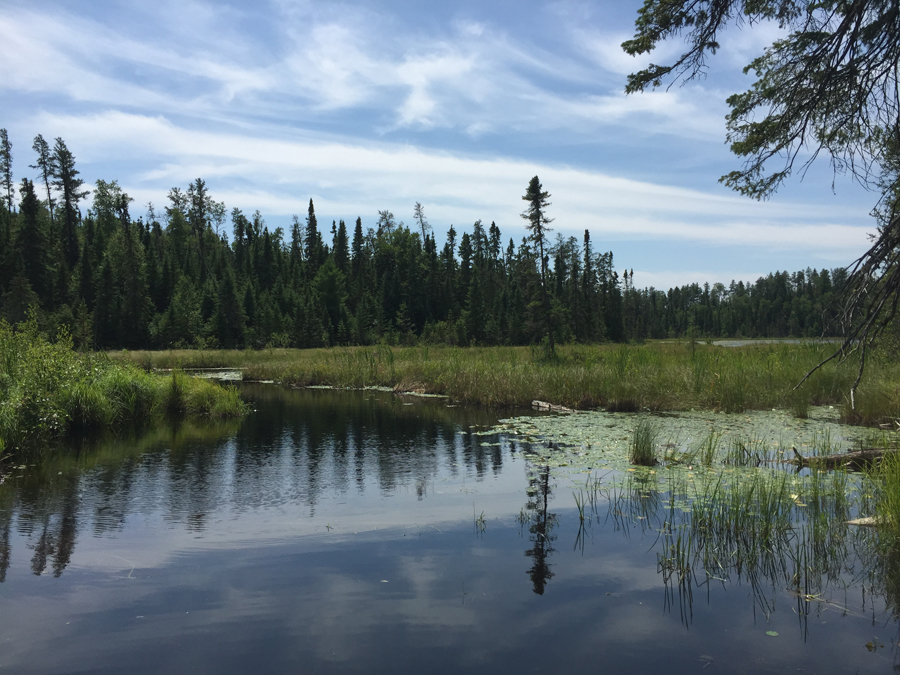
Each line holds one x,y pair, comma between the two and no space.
853,459
543,405
867,521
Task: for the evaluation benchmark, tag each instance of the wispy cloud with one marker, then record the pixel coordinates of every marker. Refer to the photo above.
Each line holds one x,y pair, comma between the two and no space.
353,178
366,106
471,77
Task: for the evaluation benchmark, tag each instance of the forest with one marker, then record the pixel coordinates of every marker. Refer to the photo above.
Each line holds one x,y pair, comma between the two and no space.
193,275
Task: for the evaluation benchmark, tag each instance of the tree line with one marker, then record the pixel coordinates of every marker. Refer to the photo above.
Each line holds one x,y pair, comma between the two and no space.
175,278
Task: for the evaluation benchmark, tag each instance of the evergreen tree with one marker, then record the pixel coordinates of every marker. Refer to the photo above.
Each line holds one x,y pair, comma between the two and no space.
46,165
229,321
66,181
341,250
6,176
312,242
537,219
32,243
296,246
421,220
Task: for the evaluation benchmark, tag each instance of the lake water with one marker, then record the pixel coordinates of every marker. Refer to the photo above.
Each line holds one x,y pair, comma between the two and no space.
360,532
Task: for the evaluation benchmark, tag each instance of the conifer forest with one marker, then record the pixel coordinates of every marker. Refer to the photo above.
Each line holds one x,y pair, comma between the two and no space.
194,274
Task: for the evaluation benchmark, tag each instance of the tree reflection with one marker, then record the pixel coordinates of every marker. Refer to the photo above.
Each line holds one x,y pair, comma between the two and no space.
540,528
295,448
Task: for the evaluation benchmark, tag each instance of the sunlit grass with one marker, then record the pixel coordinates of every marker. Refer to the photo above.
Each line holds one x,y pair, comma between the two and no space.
655,376
47,390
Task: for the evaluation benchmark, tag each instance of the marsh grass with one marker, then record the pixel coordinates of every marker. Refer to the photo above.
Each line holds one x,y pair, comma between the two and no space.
767,528
623,378
642,450
709,447
884,479
47,390
749,451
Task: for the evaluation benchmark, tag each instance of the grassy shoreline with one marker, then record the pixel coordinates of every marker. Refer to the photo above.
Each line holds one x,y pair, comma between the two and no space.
660,376
48,390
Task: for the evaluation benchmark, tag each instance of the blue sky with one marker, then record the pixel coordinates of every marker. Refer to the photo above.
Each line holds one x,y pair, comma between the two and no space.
372,105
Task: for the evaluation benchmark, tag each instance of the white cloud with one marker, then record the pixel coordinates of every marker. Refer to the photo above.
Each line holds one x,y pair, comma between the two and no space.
473,78
357,179
194,89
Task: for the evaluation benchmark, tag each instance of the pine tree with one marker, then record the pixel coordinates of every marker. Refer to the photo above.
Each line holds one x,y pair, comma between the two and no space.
32,244
6,177
341,250
312,242
66,181
229,321
421,220
45,164
537,219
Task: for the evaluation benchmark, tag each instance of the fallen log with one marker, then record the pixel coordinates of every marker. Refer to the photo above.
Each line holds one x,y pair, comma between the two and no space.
543,405
852,459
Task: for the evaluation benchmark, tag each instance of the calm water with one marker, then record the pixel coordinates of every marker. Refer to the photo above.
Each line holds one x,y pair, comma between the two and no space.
335,532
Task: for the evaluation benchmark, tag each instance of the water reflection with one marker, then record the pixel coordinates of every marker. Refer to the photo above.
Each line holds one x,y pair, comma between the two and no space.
759,535
340,446
540,528
332,531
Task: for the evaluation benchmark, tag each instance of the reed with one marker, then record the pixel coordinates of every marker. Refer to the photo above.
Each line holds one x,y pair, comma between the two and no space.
642,450
706,453
885,479
653,376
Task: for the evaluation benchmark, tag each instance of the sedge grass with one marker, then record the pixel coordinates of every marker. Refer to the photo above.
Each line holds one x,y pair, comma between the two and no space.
654,376
885,481
642,450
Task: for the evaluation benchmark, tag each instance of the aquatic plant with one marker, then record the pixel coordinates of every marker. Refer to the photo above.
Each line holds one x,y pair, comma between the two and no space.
642,450
708,448
480,522
885,481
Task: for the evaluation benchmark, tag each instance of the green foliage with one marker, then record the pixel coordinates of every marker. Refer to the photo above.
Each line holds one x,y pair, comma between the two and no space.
48,389
655,376
115,281
829,85
642,450
885,480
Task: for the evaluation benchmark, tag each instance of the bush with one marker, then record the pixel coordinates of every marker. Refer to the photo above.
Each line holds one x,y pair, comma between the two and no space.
48,389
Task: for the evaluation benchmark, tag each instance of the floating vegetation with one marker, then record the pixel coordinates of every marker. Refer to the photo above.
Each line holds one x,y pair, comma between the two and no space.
703,441
727,500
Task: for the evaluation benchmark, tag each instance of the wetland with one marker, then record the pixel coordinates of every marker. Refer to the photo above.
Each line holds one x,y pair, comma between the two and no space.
364,531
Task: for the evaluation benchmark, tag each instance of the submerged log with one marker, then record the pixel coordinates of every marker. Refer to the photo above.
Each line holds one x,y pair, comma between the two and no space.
867,521
853,459
543,405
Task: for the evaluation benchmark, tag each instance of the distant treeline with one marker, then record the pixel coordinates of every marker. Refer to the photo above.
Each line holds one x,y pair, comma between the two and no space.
175,278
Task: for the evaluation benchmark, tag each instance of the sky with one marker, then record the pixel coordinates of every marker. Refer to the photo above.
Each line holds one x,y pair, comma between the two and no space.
378,104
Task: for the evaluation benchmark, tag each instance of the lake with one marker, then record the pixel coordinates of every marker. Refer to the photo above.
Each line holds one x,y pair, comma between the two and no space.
362,532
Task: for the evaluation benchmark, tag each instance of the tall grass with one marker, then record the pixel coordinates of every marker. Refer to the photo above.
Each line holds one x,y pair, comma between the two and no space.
47,389
885,479
655,376
642,450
